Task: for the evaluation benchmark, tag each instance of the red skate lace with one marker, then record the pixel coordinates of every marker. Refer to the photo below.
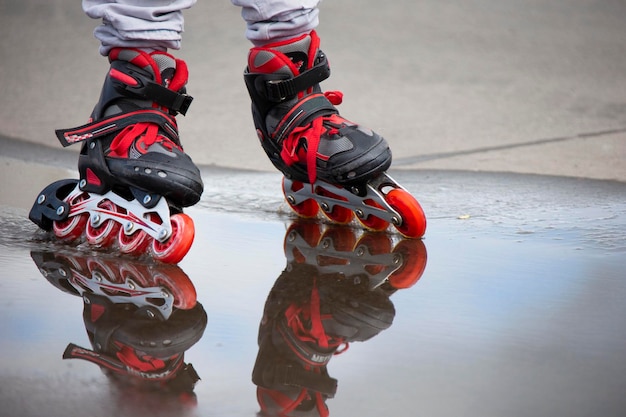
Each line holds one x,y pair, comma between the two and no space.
298,316
312,134
147,132
129,357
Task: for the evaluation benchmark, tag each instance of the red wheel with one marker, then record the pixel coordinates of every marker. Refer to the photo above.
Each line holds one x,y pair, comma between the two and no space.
372,222
72,227
342,240
307,208
104,234
174,249
101,268
413,218
414,257
339,215
135,243
376,244
178,284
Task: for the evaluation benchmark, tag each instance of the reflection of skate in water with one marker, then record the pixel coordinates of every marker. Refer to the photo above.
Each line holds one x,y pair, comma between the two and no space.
335,290
140,318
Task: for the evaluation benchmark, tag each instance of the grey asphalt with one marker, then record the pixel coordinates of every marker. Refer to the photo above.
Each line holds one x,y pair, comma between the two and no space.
480,85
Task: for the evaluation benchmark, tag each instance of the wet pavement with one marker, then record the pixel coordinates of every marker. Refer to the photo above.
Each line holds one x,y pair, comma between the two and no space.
511,305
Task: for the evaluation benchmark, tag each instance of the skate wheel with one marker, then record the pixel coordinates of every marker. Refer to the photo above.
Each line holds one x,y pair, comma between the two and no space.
376,244
105,233
174,249
135,243
307,208
336,214
175,281
413,257
373,223
101,270
341,239
413,218
71,228
339,215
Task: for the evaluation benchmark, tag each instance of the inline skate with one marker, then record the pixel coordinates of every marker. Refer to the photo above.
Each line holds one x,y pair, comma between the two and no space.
335,290
140,318
135,178
328,162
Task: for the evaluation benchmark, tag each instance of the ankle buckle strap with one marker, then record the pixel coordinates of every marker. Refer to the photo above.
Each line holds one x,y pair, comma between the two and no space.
280,90
136,83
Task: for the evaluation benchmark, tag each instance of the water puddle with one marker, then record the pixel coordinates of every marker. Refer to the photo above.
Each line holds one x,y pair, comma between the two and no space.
512,305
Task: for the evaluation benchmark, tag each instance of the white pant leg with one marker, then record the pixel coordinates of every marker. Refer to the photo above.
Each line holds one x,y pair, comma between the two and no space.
276,20
138,23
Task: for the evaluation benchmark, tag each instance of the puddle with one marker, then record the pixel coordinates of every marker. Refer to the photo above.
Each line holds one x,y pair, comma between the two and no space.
512,305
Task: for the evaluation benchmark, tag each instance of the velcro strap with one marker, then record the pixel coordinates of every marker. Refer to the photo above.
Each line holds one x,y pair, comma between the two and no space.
174,101
116,123
279,90
310,107
293,376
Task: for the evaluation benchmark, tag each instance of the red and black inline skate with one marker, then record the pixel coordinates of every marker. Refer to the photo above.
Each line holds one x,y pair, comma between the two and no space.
135,178
335,290
140,319
328,162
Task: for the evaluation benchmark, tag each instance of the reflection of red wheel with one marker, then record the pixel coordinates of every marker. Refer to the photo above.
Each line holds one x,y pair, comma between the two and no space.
178,284
376,244
135,243
414,259
72,227
104,234
307,208
413,218
174,249
372,222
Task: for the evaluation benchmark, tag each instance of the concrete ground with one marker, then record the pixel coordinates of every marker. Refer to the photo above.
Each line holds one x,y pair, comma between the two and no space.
481,85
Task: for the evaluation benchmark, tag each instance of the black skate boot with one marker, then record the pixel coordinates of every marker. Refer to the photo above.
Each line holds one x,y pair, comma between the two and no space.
132,140
134,176
304,136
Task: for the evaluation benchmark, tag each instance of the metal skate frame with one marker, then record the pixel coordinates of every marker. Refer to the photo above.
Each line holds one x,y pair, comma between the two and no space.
136,216
357,259
352,198
128,292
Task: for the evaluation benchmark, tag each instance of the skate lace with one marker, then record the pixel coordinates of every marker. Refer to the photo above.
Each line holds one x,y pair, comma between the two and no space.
311,134
305,321
146,363
146,132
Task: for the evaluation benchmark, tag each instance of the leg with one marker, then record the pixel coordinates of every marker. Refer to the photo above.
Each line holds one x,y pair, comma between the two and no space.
153,24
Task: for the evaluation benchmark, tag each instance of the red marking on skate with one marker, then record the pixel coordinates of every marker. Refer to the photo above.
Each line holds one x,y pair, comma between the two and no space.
120,76
92,178
96,312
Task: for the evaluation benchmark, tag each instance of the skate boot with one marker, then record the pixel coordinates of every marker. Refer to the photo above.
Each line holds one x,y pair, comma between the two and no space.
134,176
304,136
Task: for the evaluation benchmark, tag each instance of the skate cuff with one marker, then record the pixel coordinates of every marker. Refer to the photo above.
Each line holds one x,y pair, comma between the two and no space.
280,90
116,123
